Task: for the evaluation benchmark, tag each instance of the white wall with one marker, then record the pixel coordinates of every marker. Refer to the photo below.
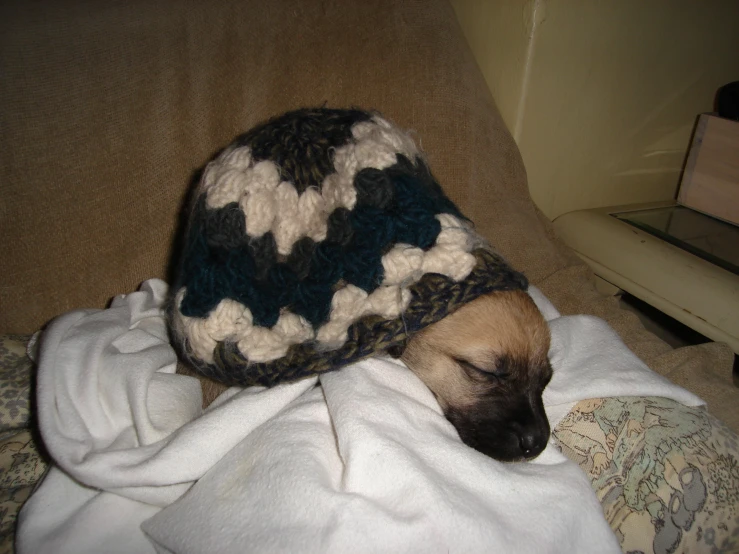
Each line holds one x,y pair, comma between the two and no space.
602,95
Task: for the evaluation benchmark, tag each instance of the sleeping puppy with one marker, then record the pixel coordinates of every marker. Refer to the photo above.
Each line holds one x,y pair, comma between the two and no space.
487,366
321,237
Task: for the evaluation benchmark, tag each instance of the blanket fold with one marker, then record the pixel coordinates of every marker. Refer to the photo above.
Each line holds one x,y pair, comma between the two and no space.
361,460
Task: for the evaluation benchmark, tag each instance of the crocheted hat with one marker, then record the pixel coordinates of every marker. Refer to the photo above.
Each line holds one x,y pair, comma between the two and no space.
315,240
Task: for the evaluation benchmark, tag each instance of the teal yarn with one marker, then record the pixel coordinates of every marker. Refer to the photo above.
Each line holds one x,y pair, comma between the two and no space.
224,267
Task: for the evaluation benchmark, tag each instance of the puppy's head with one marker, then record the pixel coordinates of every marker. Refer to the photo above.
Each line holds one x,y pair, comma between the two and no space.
487,366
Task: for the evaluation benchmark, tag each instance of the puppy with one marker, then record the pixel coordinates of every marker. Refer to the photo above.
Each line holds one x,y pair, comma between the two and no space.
321,237
487,366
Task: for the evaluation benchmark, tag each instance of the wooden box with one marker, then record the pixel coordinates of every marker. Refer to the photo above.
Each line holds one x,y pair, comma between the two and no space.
710,182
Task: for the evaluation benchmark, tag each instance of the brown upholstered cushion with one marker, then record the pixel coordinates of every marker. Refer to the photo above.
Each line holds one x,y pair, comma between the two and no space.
108,109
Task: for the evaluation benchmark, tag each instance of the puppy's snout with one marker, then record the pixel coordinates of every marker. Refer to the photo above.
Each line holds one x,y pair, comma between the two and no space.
503,431
532,426
532,443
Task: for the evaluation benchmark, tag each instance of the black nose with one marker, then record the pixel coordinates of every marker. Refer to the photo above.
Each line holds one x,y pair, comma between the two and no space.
531,444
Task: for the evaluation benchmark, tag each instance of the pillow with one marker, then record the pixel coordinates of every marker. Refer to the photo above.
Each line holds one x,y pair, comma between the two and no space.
21,467
15,383
21,463
666,474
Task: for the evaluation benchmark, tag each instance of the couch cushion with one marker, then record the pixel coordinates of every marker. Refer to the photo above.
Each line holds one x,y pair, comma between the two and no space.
109,109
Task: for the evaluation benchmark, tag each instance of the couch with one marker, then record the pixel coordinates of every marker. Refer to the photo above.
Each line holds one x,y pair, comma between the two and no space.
109,109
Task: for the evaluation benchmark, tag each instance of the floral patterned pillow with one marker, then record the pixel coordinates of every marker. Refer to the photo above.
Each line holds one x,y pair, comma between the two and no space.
666,474
21,464
15,383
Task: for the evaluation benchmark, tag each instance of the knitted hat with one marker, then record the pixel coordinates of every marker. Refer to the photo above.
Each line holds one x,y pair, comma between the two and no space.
315,240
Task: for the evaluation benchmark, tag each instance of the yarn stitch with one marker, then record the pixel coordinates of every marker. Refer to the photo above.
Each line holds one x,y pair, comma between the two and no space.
316,239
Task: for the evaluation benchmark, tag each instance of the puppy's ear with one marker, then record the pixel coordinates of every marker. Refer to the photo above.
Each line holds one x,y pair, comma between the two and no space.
396,351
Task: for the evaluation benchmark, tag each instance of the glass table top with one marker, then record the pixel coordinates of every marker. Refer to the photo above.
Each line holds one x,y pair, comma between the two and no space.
704,236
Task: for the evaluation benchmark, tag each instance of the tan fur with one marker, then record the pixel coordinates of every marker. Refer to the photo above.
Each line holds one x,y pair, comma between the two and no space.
497,324
481,332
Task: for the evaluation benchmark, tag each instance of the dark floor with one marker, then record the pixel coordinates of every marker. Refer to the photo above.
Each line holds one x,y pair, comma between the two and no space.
668,329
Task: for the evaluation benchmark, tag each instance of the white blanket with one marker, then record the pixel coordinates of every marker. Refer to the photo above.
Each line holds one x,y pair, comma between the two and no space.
365,462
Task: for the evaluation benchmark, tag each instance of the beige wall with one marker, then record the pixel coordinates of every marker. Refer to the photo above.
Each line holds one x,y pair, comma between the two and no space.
602,95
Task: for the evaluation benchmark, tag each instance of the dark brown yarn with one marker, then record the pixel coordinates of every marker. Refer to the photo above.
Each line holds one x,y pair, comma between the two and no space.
301,142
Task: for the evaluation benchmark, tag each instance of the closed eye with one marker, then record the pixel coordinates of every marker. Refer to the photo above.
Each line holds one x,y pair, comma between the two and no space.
474,370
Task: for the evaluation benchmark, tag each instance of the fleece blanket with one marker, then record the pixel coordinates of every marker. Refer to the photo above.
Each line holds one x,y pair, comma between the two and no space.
361,460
